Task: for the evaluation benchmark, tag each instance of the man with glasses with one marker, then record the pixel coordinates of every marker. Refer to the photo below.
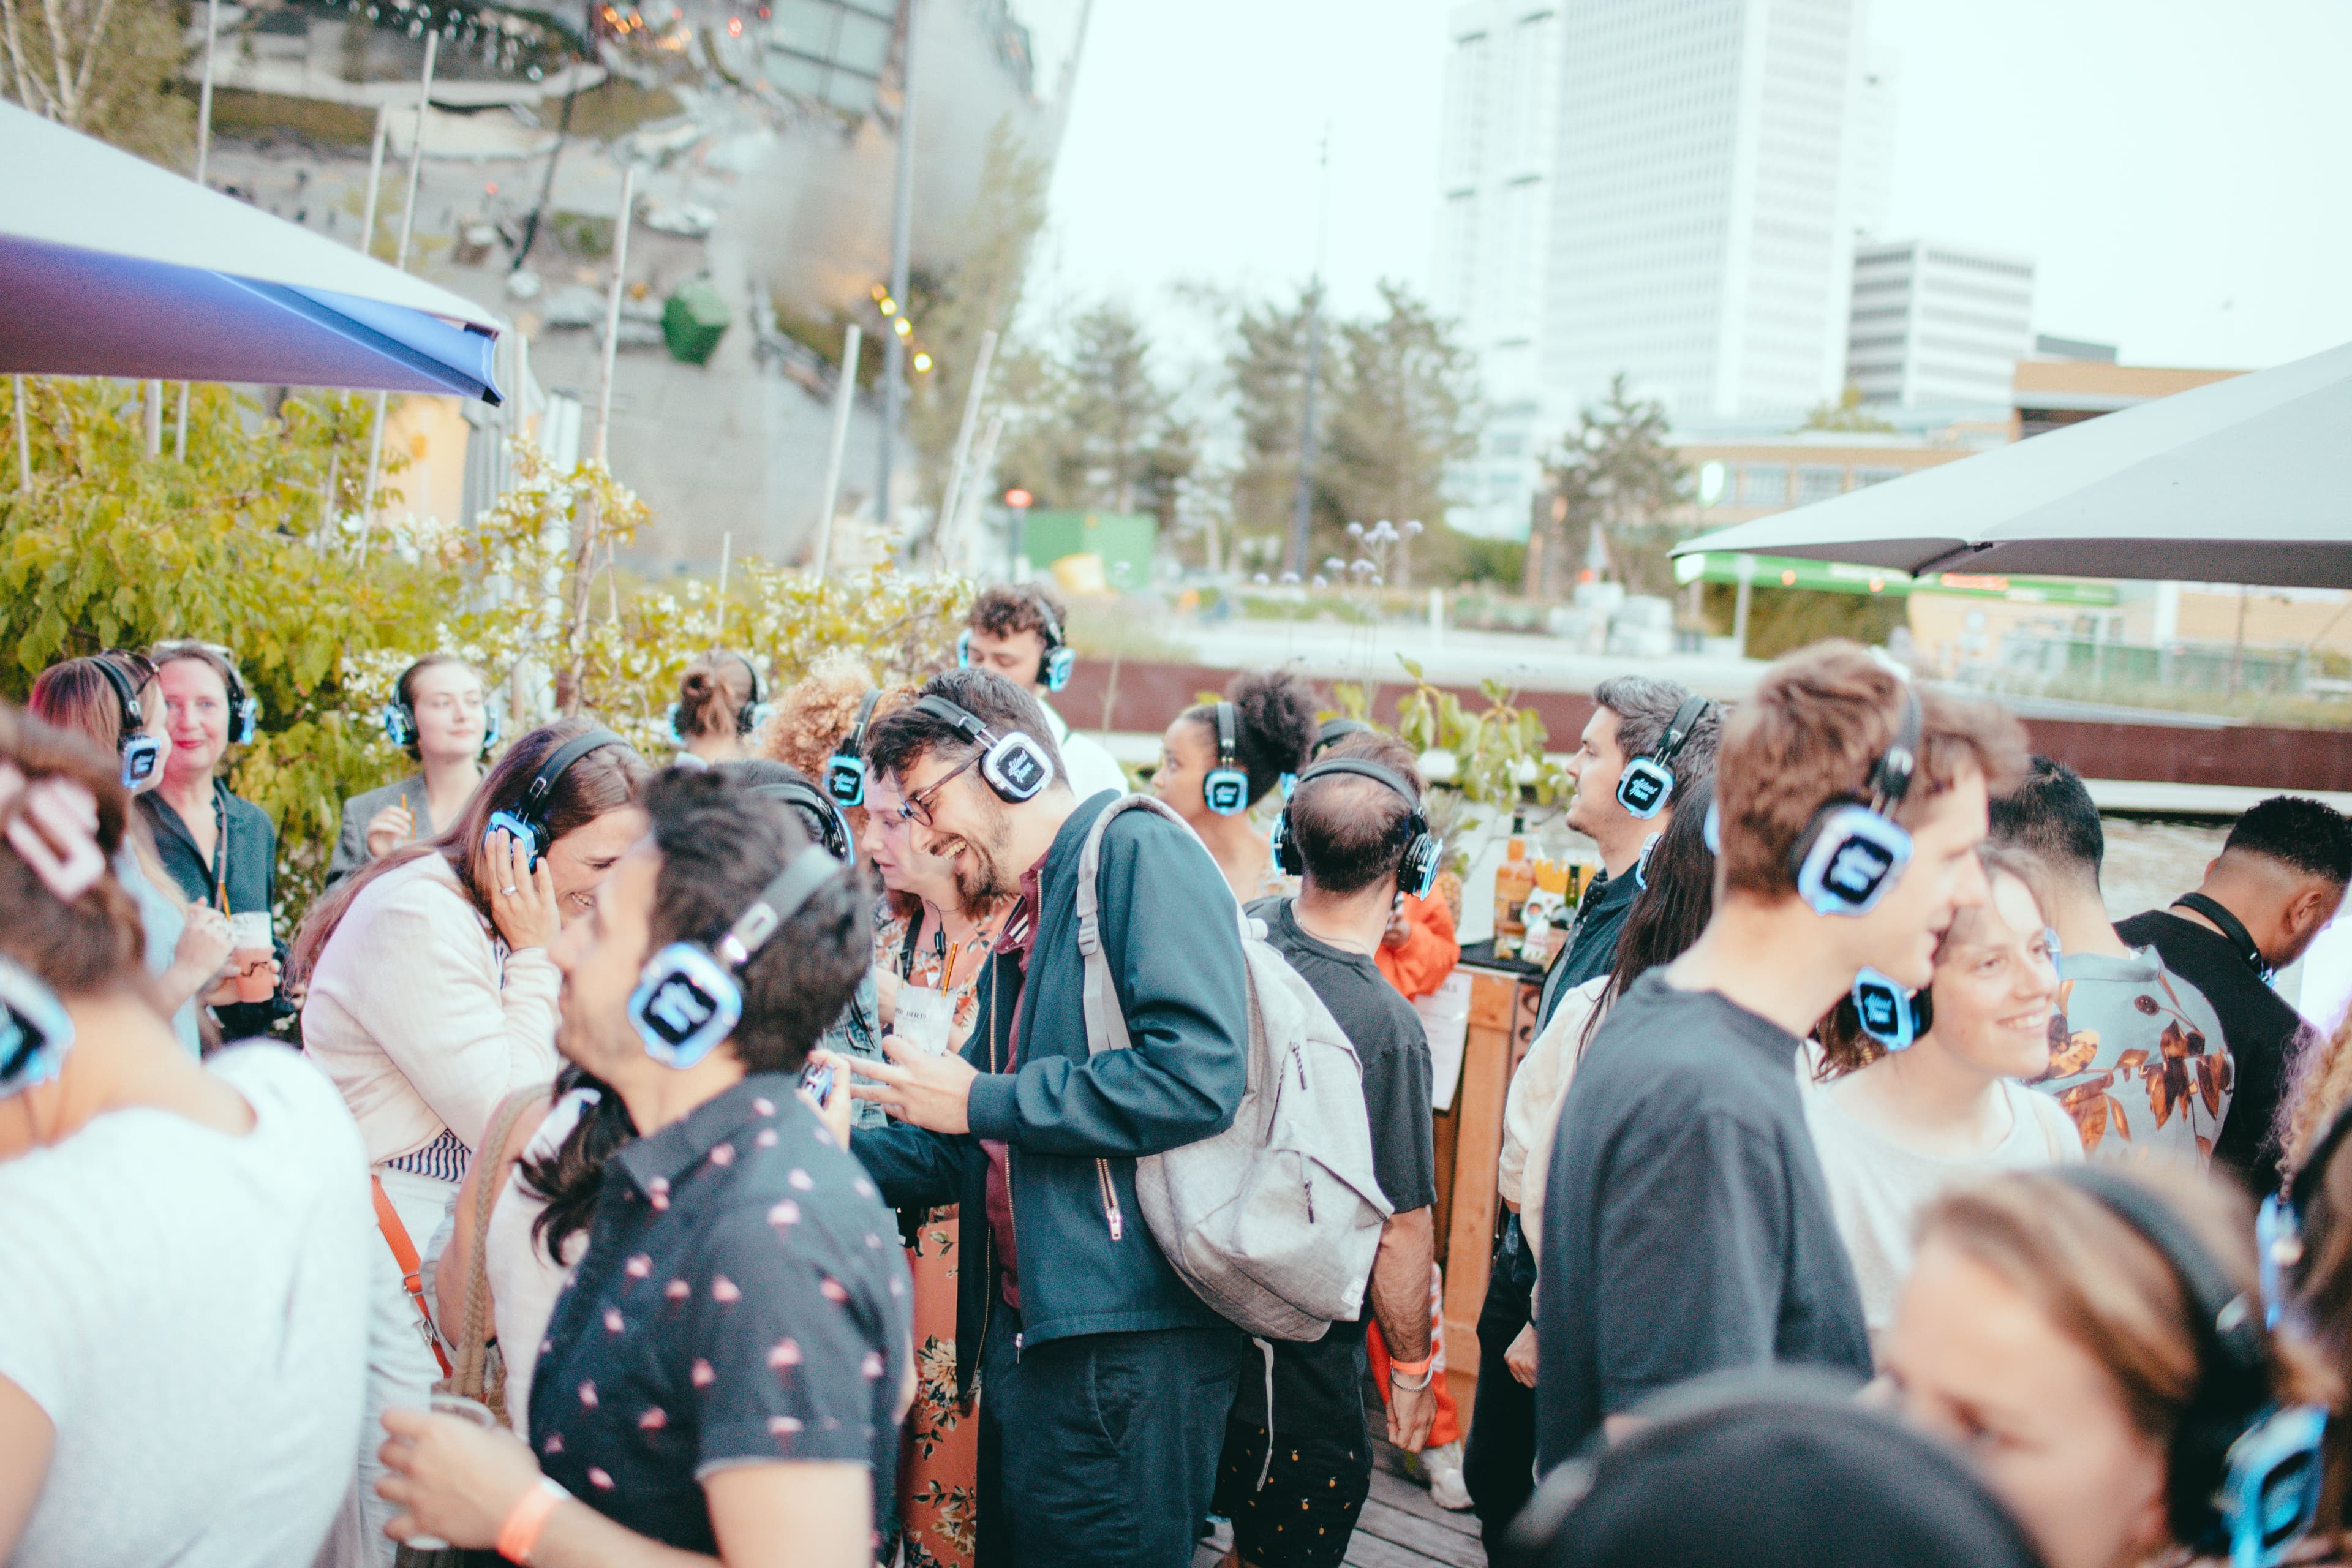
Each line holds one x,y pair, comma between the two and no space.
1105,1379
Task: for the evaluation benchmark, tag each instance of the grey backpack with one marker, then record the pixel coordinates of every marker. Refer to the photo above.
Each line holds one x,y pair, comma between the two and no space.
1273,1221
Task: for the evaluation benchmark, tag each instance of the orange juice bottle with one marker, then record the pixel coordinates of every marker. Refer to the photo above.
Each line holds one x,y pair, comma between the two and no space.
1515,879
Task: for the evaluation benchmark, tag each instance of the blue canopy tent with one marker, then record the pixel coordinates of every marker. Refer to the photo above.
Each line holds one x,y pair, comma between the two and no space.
111,265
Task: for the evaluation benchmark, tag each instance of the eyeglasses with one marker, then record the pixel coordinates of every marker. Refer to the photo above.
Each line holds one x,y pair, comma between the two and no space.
916,807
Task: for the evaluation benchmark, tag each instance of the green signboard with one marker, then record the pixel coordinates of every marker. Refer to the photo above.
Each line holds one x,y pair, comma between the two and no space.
1839,577
1125,540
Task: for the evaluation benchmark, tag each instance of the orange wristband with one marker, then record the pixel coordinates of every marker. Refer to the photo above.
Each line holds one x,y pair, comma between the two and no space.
1410,1368
520,1534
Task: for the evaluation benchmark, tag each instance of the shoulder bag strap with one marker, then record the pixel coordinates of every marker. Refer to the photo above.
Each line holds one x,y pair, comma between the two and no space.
473,1354
412,1268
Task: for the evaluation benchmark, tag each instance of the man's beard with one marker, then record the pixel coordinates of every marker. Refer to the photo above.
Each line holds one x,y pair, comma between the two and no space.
980,874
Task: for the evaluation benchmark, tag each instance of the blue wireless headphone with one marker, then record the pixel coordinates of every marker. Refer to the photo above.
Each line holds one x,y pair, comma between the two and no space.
687,1000
1417,867
1646,783
1852,851
748,717
35,1031
400,717
1054,668
142,753
1226,788
2243,1475
528,818
844,770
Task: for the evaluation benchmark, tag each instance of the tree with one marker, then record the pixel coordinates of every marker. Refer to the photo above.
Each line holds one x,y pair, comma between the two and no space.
1402,411
1265,376
254,542
1846,413
1097,425
103,66
1615,473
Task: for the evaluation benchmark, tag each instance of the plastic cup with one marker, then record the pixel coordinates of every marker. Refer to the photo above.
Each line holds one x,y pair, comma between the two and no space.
924,1018
249,955
465,1409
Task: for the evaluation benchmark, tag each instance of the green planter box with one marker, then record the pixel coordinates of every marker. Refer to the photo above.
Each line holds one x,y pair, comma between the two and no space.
694,319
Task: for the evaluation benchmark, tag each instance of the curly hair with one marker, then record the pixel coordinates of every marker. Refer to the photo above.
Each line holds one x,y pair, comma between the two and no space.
814,712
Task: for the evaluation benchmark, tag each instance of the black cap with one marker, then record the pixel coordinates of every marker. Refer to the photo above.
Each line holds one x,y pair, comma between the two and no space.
1768,1471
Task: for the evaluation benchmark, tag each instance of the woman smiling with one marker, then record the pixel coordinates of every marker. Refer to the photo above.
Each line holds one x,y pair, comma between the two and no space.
1895,1128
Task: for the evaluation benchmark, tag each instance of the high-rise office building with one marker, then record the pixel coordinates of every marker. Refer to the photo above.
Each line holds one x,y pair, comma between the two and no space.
1937,325
1664,188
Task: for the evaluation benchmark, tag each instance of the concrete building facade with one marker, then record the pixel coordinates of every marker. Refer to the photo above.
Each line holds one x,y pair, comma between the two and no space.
1666,190
1937,325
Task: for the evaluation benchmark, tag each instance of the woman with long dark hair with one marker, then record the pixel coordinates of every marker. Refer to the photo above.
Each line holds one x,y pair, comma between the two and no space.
430,996
1676,877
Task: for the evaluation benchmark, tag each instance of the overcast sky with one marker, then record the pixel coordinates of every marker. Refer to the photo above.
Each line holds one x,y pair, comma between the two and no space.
2175,169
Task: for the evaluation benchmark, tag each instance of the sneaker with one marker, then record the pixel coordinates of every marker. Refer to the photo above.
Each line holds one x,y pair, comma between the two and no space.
1443,1466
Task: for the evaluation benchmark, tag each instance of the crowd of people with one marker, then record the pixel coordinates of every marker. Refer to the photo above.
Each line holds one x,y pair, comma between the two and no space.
874,1136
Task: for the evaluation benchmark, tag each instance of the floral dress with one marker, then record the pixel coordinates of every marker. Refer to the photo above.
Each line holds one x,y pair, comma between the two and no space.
939,1470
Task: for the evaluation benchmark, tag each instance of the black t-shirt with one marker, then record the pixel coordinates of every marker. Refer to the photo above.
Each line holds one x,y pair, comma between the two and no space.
742,1300
2265,1037
1316,1382
1687,1227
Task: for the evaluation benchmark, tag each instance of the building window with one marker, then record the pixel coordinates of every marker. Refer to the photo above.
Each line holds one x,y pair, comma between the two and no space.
1819,482
1764,484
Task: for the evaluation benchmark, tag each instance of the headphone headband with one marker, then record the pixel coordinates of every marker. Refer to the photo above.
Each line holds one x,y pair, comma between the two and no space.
854,743
803,795
781,900
1226,741
132,718
1890,776
1334,730
1678,729
1362,769
542,783
967,723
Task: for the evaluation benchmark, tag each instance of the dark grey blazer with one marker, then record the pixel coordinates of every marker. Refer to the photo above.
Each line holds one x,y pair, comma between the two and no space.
350,844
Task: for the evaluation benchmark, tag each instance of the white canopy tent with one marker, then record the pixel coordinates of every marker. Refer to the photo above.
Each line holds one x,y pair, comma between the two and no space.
111,265
2244,480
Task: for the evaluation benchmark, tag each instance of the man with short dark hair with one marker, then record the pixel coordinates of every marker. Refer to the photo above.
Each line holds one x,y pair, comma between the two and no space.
1107,1380
725,1373
1690,1228
1631,717
1352,830
2145,1061
1017,630
2277,882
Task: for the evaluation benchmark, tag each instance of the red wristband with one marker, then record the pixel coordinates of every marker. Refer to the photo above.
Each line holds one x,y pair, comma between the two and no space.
520,1534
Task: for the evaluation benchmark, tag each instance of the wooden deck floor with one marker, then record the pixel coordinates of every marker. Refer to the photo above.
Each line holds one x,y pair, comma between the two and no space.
1400,1528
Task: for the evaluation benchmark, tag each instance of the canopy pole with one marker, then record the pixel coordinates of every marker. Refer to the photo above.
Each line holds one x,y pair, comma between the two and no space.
204,153
612,309
844,395
24,437
400,260
154,408
375,178
950,503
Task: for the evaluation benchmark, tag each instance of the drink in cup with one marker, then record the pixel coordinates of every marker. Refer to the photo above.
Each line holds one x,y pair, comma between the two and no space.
465,1409
924,1018
249,956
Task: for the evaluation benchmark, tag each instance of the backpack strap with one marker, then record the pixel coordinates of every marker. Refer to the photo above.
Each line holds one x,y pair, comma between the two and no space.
1106,1023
